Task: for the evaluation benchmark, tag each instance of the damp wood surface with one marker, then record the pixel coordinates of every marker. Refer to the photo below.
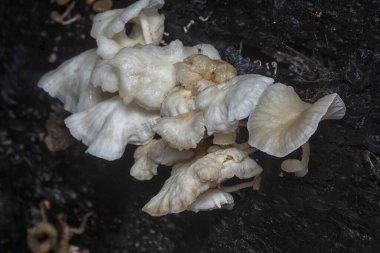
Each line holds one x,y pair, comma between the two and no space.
319,47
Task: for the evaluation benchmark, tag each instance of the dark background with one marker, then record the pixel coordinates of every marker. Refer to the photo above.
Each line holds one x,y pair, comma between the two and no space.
320,46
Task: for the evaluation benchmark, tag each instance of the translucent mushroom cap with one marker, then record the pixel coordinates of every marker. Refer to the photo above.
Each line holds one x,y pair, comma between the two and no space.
71,82
226,103
281,122
109,126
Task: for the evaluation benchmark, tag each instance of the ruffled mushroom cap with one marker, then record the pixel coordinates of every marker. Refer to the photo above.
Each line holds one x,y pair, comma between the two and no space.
190,179
198,71
212,199
147,73
281,122
177,101
109,27
109,126
144,167
226,103
70,82
183,131
149,156
105,77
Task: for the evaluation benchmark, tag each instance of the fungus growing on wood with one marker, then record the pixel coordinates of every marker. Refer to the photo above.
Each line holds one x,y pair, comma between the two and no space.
190,179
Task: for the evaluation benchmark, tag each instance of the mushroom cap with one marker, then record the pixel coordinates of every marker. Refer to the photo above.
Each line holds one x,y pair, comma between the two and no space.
109,126
281,122
244,94
163,153
212,199
147,73
177,101
109,27
183,131
226,103
149,156
198,71
144,167
190,179
71,82
105,77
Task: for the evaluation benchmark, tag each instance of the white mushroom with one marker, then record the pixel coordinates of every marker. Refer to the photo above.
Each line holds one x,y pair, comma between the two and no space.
281,122
71,82
198,71
109,27
299,167
177,101
212,199
183,131
144,167
149,156
227,103
109,126
190,179
147,73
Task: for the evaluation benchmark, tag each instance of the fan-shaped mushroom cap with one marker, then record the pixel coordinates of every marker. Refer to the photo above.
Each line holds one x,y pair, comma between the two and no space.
177,101
198,71
147,73
109,27
183,131
281,122
212,199
70,82
109,126
155,152
226,103
190,179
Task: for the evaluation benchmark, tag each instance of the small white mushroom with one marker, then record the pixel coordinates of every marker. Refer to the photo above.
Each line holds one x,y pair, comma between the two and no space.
190,179
71,82
281,122
149,156
299,167
110,33
177,101
109,126
226,103
183,131
147,73
212,199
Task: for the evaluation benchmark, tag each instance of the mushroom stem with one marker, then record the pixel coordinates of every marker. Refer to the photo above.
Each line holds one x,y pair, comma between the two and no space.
245,146
43,206
299,167
145,28
233,188
224,138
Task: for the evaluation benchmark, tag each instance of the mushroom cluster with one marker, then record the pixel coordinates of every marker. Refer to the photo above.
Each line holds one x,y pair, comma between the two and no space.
184,107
